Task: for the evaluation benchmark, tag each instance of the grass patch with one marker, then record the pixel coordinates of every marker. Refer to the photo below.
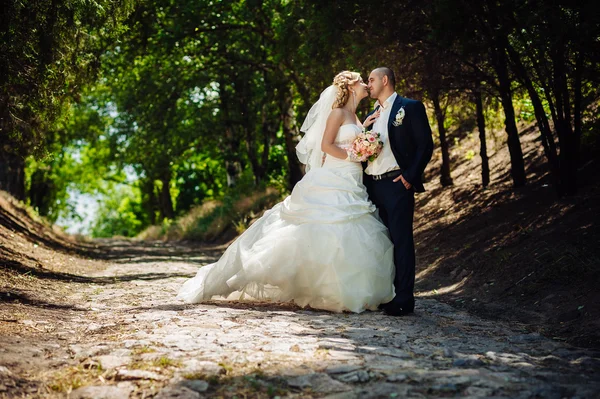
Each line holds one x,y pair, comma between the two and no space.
164,362
227,367
138,350
160,364
68,379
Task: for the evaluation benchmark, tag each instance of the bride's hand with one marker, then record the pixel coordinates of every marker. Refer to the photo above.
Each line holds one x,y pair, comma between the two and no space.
372,118
351,157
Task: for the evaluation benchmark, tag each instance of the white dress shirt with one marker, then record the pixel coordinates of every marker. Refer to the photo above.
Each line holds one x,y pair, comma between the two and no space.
386,161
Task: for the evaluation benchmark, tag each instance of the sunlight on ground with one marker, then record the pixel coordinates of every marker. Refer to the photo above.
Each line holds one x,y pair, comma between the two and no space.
429,269
454,288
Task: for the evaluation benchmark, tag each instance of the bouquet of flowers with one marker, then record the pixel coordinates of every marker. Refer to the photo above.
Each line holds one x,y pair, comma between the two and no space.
366,146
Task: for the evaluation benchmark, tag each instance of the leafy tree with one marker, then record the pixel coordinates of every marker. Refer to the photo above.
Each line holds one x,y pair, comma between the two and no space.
171,103
553,48
50,50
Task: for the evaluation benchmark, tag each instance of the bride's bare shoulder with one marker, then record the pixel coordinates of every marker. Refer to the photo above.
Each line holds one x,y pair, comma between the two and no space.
336,115
339,112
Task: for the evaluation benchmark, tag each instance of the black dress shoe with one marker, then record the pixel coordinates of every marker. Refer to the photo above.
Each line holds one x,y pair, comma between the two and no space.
408,306
396,311
397,308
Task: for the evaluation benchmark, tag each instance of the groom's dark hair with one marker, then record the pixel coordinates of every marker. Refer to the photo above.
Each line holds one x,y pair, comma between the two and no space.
385,71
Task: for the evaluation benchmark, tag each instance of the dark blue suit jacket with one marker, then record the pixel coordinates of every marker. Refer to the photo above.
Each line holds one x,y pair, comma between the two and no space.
411,142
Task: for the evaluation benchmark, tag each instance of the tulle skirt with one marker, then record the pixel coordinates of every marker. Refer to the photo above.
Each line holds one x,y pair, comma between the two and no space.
322,247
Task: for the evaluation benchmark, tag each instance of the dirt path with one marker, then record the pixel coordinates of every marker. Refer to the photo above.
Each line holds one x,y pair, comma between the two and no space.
119,332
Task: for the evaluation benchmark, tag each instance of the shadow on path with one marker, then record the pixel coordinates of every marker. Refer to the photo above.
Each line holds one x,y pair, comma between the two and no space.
18,297
74,278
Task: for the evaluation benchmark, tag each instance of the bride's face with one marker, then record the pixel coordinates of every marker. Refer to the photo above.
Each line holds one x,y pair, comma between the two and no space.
360,88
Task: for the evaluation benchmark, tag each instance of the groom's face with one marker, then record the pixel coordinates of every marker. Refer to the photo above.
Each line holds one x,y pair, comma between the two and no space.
375,84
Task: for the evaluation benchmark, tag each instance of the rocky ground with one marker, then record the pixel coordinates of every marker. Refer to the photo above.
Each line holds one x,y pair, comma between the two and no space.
117,331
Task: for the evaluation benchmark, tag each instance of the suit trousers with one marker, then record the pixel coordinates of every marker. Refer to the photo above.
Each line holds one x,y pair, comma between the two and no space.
396,206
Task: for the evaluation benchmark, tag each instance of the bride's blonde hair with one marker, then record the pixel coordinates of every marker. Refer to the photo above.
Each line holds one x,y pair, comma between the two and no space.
343,80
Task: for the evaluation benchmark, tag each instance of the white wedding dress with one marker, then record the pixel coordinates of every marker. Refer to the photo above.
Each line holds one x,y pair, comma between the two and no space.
321,247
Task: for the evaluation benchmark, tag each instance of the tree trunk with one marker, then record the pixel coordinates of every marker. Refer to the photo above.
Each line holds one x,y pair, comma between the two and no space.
258,170
232,168
566,136
251,147
12,174
577,124
517,169
40,191
165,200
485,165
231,141
269,127
541,117
149,202
267,132
290,134
445,177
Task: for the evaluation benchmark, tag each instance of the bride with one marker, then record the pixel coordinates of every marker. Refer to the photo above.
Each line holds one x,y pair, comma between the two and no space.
322,246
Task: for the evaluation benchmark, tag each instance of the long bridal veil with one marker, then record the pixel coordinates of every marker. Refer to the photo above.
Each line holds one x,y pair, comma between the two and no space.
308,149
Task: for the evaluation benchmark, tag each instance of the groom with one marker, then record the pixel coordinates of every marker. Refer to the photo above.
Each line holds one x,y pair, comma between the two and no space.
395,175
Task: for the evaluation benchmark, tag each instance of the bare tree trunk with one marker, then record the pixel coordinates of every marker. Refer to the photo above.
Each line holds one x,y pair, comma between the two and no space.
517,169
541,117
149,201
12,173
290,134
258,170
577,123
40,191
231,141
445,177
267,132
269,124
252,156
485,165
233,170
165,200
568,141
498,43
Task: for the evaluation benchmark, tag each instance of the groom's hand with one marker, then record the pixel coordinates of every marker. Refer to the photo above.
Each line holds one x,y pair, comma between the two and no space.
401,178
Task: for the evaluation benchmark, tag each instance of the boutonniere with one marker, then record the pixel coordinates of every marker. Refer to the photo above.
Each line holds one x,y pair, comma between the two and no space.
399,117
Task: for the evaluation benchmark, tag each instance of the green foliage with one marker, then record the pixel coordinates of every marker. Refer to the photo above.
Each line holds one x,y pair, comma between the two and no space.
199,178
216,219
120,214
184,99
198,91
80,163
525,112
49,51
158,107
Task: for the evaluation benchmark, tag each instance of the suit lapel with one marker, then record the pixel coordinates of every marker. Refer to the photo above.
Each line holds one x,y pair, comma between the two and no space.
397,104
